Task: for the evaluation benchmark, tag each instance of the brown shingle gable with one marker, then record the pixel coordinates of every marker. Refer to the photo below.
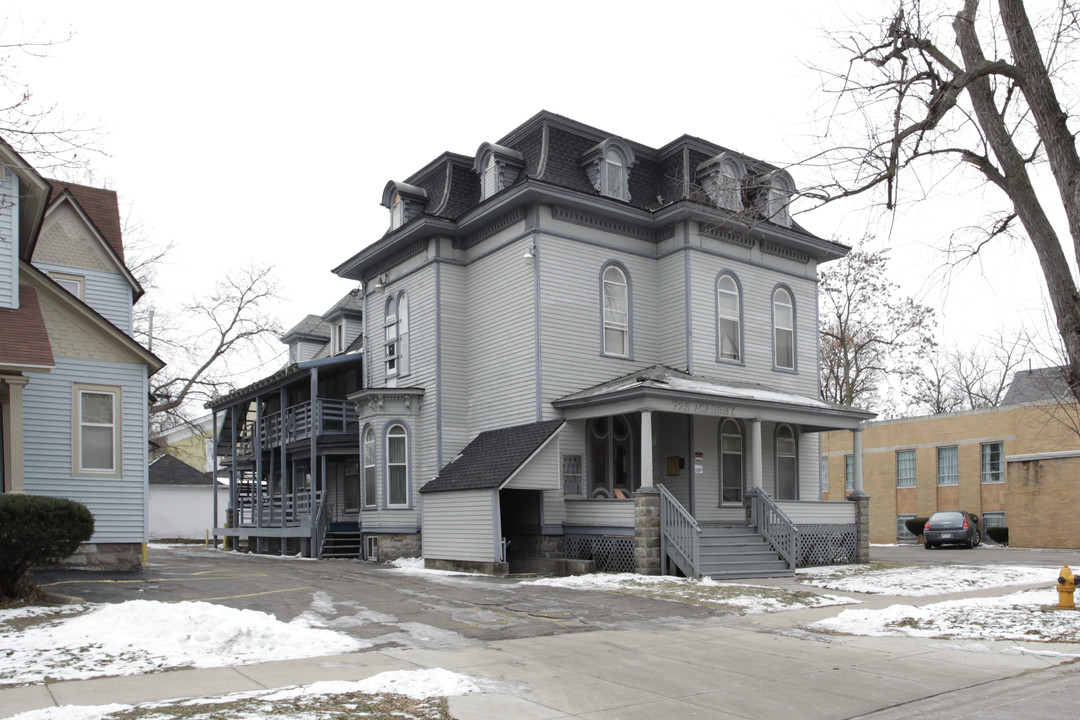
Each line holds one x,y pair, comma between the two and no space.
26,341
100,205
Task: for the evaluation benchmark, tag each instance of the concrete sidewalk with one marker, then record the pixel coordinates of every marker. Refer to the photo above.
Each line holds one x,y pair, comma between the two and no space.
759,666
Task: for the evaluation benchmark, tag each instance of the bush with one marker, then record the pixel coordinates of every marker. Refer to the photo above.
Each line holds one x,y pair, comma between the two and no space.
35,529
998,534
915,526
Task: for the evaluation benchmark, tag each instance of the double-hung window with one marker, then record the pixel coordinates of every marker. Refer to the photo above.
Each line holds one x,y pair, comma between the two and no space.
783,330
396,336
948,469
728,313
616,301
97,427
369,467
993,463
905,468
787,472
397,466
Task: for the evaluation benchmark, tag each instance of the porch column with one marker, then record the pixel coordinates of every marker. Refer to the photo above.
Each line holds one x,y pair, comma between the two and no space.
11,425
646,449
856,459
755,454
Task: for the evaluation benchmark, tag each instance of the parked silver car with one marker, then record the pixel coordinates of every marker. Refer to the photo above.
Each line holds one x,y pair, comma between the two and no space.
952,527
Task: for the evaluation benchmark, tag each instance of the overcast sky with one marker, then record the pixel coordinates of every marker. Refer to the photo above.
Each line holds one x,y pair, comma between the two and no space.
266,131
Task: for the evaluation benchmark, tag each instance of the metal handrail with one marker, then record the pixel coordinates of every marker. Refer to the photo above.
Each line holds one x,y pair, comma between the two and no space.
680,534
773,525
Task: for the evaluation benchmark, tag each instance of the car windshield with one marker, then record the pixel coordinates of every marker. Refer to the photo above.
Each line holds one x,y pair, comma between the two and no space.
947,518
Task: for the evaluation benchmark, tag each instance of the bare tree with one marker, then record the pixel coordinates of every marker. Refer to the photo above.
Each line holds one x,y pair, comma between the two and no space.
214,332
868,334
48,138
973,378
988,102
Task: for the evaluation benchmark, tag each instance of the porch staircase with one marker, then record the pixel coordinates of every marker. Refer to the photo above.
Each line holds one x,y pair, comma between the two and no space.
343,543
738,551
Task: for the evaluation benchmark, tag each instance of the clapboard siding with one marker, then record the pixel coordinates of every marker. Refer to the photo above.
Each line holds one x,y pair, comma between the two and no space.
671,430
671,310
185,511
600,513
107,293
118,503
453,361
541,473
9,240
572,315
501,340
460,526
813,513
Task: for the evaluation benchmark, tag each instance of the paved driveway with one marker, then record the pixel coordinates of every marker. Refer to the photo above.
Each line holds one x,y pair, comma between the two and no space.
985,554
388,606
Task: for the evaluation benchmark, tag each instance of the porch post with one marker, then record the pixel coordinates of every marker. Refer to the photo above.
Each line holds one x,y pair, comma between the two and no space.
11,439
861,500
755,454
646,449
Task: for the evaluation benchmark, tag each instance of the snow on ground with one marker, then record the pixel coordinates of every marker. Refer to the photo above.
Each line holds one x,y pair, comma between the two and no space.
327,700
140,636
917,581
1030,615
731,597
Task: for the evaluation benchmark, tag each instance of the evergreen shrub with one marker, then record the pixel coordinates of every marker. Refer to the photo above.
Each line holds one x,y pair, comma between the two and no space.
35,529
998,534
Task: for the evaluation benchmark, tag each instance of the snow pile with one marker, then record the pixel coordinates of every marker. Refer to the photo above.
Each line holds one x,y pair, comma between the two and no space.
928,580
140,636
1026,615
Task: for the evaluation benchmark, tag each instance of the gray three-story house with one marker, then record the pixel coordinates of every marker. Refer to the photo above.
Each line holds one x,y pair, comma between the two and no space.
577,346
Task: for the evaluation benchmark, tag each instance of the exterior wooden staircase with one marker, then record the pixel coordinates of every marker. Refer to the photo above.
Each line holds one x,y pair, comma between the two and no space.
738,551
343,542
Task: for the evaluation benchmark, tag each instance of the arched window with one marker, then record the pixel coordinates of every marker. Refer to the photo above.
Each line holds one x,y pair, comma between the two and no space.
615,175
787,468
779,190
397,466
731,463
489,180
397,212
608,166
396,335
369,467
611,457
616,301
783,330
728,318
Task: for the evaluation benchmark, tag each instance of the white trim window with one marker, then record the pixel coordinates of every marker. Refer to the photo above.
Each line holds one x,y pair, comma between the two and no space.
787,464
369,498
616,300
337,337
397,212
905,468
948,469
614,175
97,430
993,462
489,179
783,329
728,318
397,466
396,336
74,284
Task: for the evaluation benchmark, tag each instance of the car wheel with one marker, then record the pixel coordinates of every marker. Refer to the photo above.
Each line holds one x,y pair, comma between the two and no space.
978,538
928,546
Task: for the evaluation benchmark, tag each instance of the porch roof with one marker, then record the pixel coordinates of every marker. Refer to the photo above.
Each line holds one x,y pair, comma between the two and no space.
666,389
493,457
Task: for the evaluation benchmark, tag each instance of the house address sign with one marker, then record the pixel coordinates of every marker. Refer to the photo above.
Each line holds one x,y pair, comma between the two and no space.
701,408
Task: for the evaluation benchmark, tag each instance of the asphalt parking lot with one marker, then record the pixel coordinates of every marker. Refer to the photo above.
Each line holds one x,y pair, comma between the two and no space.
379,603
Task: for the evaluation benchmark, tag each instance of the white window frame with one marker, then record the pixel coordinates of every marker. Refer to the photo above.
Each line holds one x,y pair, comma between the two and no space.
74,284
392,432
783,299
990,476
489,179
613,175
79,426
902,481
728,317
369,490
397,212
391,341
337,337
946,478
610,315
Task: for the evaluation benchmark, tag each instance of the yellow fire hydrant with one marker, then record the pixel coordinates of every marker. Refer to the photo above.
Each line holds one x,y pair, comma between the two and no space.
1066,588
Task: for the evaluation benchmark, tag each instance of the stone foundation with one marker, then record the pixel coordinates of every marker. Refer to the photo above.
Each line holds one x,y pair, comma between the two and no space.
106,556
647,531
398,545
862,525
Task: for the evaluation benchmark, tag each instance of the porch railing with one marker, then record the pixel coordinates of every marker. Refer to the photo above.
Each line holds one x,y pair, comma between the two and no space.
680,534
773,525
299,422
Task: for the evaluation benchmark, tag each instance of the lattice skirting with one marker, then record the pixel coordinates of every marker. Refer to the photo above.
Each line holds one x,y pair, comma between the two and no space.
612,553
826,545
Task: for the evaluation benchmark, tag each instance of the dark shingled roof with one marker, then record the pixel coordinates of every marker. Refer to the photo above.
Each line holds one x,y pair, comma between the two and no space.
167,470
100,205
1041,385
25,338
493,457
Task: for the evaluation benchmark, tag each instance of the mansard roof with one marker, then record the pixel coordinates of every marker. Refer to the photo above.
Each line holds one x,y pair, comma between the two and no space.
663,188
493,457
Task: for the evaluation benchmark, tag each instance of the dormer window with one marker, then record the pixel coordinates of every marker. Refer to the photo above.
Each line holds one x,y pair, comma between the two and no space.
608,166
722,177
72,283
337,338
404,201
777,190
498,168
